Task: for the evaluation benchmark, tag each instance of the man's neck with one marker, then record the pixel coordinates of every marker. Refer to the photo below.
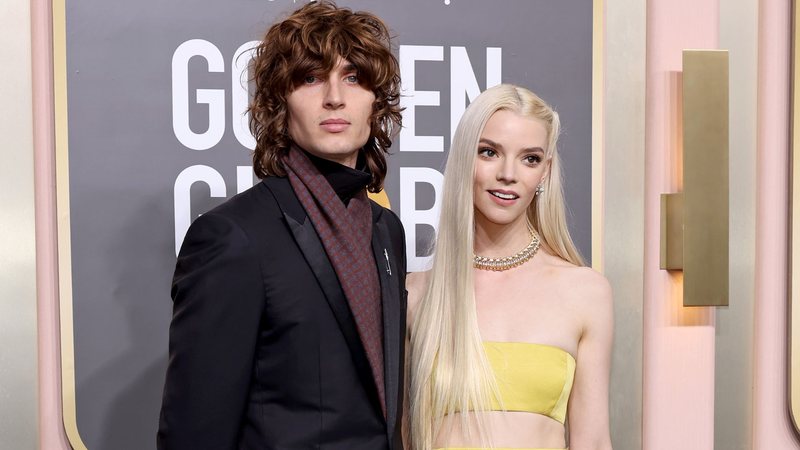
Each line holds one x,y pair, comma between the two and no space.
345,181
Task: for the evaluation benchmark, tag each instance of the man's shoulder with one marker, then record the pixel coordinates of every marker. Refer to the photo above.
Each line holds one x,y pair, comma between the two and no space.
255,203
251,218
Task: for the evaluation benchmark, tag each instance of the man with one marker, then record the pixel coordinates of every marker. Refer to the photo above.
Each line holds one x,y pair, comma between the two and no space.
289,301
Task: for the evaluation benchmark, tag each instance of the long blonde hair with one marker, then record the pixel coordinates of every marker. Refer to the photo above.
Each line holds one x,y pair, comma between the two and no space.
449,372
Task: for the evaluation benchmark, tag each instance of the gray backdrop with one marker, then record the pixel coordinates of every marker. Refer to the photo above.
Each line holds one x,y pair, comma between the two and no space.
156,138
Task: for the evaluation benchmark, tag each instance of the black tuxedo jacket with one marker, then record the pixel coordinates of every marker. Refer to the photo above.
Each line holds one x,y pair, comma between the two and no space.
264,352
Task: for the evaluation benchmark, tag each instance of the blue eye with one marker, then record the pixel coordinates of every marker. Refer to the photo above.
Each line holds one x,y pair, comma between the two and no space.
311,79
352,79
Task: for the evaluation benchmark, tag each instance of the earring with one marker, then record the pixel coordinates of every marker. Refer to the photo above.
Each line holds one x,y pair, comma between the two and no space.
539,189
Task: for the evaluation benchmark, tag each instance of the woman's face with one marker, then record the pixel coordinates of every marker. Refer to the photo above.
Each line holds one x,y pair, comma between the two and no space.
510,164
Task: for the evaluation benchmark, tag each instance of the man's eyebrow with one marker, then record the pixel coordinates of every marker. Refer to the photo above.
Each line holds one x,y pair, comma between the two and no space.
350,67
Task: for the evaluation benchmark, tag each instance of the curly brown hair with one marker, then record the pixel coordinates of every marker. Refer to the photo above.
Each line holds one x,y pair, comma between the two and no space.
312,40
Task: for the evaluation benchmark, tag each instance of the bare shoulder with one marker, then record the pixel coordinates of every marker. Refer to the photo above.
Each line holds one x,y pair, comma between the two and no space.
590,297
585,287
416,283
590,283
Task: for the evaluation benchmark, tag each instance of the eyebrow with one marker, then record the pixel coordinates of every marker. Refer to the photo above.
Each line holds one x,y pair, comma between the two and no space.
497,145
347,68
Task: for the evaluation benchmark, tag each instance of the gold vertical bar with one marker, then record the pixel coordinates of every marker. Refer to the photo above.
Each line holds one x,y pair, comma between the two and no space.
672,231
705,174
68,394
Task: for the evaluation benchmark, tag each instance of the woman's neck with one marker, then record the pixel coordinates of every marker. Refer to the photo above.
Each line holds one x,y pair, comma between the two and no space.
494,240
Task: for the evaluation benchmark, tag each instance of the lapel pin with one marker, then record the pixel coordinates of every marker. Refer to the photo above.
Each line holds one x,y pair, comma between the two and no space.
388,266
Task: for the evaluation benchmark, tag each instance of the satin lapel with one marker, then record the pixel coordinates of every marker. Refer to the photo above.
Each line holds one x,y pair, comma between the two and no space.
390,277
307,239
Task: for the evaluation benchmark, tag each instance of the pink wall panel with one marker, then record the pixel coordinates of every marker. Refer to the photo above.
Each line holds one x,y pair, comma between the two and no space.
678,359
51,428
772,428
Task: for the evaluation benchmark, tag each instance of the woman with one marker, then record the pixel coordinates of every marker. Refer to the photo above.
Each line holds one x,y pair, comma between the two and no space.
510,335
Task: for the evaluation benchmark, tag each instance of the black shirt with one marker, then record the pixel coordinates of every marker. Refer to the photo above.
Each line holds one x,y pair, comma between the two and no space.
345,181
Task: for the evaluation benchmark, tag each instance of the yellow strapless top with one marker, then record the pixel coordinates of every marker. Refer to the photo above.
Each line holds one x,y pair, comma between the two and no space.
534,378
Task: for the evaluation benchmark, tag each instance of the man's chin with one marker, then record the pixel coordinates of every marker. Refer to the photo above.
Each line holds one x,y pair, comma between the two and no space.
341,155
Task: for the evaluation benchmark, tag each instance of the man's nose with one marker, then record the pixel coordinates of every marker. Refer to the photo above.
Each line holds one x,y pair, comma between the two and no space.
333,95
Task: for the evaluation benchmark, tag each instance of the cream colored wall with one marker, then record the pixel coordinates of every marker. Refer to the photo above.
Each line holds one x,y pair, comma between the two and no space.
18,360
733,381
623,214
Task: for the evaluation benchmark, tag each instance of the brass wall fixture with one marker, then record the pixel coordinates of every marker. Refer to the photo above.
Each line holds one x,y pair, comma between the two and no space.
694,223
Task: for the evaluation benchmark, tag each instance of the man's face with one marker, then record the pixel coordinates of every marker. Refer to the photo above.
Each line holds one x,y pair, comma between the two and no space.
329,114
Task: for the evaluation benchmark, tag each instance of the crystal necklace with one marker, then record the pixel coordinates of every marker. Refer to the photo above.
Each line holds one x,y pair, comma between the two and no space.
508,262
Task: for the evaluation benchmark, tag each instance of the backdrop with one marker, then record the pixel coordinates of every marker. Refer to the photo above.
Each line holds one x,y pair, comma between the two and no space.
157,136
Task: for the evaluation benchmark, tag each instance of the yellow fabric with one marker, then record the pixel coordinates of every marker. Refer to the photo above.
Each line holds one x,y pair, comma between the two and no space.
531,377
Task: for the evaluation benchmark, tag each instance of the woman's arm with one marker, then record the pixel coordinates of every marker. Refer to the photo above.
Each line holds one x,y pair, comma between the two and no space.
588,404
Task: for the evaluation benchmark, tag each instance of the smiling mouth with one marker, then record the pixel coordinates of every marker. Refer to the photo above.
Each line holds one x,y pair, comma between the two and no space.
504,196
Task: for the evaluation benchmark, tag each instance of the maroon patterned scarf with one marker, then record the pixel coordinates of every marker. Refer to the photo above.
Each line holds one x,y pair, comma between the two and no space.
346,235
